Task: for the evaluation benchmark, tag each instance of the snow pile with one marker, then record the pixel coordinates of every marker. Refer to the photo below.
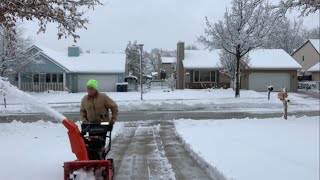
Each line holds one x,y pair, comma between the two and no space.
10,90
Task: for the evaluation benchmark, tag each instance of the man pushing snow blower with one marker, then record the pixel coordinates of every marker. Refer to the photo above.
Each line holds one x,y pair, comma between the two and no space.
89,144
95,106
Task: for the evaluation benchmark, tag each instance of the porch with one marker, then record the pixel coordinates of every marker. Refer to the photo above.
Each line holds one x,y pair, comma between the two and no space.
41,87
207,85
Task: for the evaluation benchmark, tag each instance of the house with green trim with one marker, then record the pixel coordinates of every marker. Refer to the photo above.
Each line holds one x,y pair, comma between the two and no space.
70,70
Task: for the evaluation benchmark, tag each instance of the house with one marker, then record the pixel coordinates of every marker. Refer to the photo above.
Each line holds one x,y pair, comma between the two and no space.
307,55
70,70
200,69
169,65
315,72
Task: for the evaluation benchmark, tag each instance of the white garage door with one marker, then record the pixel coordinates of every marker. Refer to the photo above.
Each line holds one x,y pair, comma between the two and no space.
260,81
107,83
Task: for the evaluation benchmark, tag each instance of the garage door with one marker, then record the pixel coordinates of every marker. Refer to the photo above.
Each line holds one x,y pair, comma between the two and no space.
260,81
107,83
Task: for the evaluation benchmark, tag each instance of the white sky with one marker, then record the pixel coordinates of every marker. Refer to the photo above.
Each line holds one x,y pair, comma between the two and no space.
155,23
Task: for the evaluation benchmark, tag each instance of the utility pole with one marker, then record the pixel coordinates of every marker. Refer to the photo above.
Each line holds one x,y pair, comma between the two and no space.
141,51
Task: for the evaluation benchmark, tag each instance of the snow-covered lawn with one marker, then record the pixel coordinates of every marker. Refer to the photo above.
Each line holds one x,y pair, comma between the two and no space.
35,150
242,149
188,99
264,149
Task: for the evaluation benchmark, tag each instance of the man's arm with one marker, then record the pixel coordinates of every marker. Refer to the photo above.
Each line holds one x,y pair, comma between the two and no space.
109,103
83,112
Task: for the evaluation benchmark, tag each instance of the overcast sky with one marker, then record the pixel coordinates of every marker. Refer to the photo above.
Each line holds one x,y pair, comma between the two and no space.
155,23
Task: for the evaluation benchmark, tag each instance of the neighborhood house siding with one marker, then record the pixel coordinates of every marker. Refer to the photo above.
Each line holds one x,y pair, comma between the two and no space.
44,65
306,56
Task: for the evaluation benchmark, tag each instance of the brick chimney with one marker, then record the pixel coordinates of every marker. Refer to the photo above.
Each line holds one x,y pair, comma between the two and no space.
180,69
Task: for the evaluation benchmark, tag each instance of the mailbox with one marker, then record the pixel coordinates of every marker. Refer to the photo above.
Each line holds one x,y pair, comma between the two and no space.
282,96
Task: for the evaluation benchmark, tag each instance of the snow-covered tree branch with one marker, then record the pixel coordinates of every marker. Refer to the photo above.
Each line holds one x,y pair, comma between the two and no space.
13,51
69,14
228,64
305,6
287,36
246,27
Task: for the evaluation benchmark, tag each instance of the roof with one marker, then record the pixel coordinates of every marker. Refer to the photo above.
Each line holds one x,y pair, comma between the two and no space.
259,59
201,59
316,44
88,62
315,68
168,59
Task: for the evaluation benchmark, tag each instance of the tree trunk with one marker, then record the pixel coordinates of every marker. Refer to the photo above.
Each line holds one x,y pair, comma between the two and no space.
238,74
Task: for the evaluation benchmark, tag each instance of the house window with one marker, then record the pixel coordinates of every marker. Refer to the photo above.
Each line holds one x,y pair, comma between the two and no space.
196,76
213,76
36,78
302,57
54,78
204,76
42,77
16,77
48,78
60,78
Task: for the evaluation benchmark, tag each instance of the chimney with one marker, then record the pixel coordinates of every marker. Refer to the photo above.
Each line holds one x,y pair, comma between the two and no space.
73,51
179,67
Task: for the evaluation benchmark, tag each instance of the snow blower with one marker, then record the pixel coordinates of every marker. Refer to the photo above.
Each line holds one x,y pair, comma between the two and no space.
89,146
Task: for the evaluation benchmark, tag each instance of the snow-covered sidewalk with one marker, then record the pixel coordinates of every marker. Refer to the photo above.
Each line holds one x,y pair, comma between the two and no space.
261,149
221,100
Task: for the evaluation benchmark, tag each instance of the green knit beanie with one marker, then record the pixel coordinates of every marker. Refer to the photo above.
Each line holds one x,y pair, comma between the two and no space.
93,83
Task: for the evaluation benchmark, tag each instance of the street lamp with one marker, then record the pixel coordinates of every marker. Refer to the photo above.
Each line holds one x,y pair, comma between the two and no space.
141,51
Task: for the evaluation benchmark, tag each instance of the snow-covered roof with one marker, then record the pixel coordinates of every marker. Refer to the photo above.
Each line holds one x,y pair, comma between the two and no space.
168,59
272,59
201,59
154,73
316,44
259,59
88,62
315,68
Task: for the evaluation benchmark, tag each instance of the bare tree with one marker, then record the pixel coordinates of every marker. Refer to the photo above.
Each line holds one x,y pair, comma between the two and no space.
313,33
305,6
242,30
68,14
191,47
13,51
287,36
228,64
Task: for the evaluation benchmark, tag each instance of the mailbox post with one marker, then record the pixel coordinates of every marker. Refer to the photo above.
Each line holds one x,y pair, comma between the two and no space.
283,97
270,88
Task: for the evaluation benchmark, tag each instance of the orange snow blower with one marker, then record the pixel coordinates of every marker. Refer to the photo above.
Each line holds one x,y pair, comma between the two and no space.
89,146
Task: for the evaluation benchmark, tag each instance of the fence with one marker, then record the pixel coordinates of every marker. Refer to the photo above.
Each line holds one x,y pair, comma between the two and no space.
40,87
207,85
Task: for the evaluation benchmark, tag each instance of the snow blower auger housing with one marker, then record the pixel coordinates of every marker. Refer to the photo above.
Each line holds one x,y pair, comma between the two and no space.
89,146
